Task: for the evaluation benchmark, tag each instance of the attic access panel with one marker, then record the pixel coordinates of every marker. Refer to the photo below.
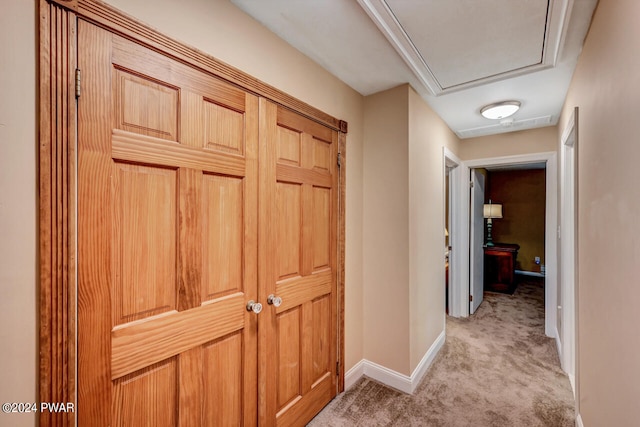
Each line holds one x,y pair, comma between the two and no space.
451,45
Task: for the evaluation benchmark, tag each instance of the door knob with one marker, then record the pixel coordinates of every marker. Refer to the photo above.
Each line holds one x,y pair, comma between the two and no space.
256,307
274,300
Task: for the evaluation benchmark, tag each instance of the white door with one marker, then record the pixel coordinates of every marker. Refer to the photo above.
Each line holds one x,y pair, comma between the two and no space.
476,251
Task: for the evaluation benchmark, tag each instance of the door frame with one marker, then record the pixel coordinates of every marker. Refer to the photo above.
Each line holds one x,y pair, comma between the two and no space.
457,230
57,178
476,267
568,272
551,226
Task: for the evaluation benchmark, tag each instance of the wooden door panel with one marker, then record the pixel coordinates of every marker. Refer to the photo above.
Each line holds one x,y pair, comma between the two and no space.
147,397
223,366
224,128
167,201
222,235
288,357
288,226
321,228
320,337
298,258
145,106
144,241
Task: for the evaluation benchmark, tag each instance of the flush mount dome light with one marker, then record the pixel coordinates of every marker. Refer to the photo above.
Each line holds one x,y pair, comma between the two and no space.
500,110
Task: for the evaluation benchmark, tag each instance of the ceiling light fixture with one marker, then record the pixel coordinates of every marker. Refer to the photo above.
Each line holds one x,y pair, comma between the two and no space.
500,110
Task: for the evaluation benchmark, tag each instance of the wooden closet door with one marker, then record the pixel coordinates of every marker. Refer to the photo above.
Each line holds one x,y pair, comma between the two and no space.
297,263
167,247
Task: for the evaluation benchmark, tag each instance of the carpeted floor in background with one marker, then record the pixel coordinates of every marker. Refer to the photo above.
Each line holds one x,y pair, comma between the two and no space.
496,368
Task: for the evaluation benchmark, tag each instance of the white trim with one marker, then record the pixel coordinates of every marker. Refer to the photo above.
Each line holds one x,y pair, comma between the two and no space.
390,377
572,380
354,374
427,360
567,235
458,233
558,344
551,223
529,273
384,18
579,421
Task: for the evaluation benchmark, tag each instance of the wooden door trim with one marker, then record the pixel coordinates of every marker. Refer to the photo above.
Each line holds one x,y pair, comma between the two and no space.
57,124
108,17
342,192
57,166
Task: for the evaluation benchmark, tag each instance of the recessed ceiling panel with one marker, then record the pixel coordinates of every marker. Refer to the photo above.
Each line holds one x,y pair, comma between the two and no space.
469,40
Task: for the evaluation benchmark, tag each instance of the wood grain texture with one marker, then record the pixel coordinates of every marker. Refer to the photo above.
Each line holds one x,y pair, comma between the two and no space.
57,345
289,356
191,387
145,342
144,229
109,17
175,224
94,228
298,258
190,256
132,147
223,235
57,51
341,229
147,397
223,390
267,269
294,291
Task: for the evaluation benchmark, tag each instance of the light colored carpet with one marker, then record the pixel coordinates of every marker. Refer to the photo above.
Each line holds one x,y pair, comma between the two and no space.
497,368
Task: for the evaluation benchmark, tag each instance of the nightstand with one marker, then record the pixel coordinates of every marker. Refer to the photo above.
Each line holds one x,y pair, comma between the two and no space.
500,266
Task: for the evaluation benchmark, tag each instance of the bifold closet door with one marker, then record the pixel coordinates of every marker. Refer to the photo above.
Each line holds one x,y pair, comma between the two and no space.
297,253
196,198
167,241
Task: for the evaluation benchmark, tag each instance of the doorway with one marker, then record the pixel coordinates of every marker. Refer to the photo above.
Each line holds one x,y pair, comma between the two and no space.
457,229
550,226
567,312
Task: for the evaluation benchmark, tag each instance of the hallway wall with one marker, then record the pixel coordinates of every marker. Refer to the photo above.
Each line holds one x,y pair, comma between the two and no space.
539,140
18,209
605,87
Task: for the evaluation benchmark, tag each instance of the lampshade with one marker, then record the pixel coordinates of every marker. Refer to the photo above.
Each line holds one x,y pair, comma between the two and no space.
492,211
500,110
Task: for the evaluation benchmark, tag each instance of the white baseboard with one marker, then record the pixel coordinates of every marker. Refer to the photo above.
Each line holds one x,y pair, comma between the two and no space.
529,273
390,377
572,380
354,374
558,345
579,421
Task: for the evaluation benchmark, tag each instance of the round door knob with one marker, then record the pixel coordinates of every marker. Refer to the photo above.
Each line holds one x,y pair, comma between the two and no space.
256,307
274,300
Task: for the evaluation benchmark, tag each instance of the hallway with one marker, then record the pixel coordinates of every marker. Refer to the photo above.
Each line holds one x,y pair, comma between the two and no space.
497,368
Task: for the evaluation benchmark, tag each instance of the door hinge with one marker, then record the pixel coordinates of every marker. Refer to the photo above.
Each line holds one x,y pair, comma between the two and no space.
471,184
77,83
470,298
339,159
337,369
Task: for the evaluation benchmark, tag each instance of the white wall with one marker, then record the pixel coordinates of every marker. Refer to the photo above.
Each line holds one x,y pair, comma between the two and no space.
18,209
